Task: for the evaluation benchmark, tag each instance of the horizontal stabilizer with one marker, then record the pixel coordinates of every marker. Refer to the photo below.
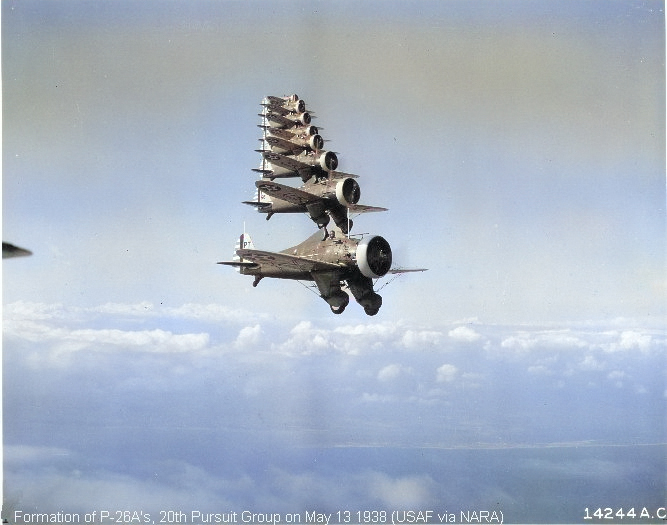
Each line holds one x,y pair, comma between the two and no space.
240,264
258,205
362,208
407,270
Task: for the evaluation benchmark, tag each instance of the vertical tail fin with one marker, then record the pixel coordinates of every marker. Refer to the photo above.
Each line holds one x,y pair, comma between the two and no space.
244,242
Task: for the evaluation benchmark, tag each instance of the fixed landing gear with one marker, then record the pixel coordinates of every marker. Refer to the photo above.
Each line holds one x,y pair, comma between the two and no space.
256,281
371,311
337,309
338,302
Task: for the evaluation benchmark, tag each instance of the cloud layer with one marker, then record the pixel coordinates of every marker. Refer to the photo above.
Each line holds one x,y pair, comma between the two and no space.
133,408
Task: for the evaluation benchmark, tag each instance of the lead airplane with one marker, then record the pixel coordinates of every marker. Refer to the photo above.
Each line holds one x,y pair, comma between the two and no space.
335,263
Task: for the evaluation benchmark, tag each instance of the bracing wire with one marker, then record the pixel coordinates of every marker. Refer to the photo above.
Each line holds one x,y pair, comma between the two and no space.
309,287
389,281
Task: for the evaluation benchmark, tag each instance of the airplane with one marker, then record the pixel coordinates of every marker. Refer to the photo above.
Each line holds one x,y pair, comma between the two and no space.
287,143
292,103
335,264
305,165
9,250
321,198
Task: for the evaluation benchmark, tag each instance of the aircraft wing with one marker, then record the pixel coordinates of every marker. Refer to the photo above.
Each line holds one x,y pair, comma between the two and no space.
303,198
285,121
298,169
287,193
285,146
268,261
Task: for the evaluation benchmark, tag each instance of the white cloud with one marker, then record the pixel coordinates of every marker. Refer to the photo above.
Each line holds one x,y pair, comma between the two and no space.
56,325
407,492
420,338
373,330
527,340
446,373
31,311
631,339
389,372
464,334
521,341
306,339
248,336
590,363
157,340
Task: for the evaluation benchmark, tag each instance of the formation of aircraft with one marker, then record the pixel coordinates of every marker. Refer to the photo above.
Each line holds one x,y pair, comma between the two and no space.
336,261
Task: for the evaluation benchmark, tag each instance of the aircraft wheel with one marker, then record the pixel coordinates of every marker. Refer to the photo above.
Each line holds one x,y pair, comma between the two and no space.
371,311
338,302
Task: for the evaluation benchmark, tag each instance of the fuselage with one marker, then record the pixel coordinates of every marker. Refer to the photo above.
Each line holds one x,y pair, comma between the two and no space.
336,249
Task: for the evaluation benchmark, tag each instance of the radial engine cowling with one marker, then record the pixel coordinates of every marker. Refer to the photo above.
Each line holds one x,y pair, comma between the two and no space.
328,160
374,256
316,142
303,119
348,191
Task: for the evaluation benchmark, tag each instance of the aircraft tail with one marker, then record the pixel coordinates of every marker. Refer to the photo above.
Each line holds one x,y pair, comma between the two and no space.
245,242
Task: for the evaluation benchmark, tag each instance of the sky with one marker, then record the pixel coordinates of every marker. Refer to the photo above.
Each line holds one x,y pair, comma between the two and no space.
520,149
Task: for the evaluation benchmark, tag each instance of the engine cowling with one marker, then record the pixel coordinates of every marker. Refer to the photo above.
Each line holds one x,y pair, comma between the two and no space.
348,191
373,256
316,142
303,118
328,160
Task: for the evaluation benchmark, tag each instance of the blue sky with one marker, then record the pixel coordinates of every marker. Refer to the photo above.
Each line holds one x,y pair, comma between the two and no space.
520,148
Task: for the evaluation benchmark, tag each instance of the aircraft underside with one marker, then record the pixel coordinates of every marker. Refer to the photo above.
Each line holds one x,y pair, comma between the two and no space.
330,285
